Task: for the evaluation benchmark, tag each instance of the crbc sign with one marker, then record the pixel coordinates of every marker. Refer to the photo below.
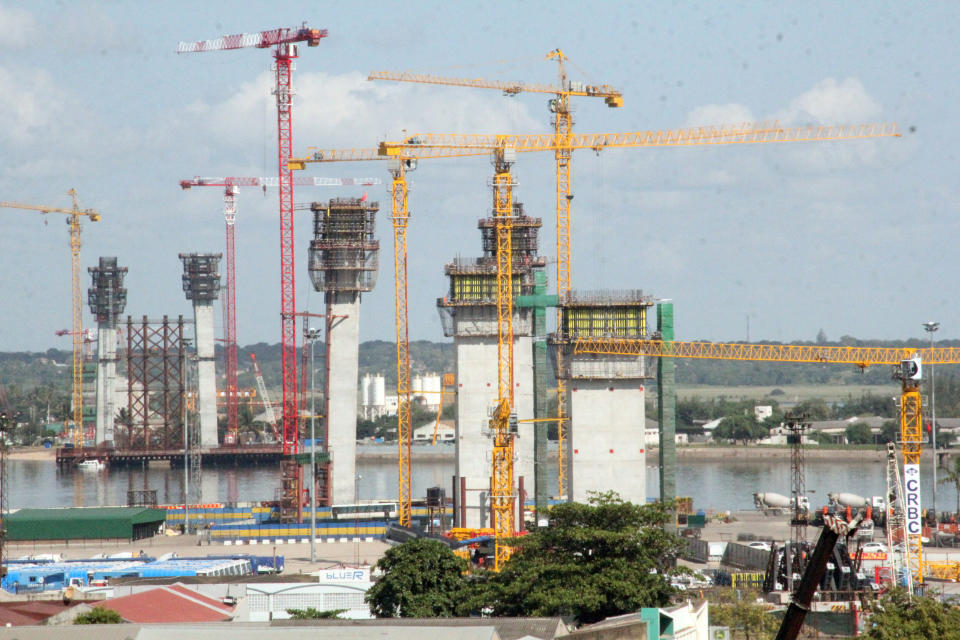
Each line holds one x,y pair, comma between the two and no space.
911,494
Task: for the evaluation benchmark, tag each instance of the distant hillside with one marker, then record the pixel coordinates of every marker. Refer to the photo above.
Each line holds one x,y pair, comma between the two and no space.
52,368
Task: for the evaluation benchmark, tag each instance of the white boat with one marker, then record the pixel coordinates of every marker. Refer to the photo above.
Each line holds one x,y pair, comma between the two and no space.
91,465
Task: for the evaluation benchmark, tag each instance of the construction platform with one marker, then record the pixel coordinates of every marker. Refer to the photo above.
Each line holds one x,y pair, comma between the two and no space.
216,456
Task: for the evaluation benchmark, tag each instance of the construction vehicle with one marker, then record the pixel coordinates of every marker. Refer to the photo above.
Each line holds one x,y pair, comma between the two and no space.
813,574
73,220
284,43
267,405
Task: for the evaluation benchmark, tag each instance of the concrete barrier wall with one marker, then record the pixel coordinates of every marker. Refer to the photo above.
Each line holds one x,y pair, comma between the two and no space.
697,551
740,555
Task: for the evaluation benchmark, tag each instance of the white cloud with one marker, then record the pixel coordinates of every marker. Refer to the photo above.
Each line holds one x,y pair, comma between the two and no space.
332,111
833,102
18,27
719,114
30,105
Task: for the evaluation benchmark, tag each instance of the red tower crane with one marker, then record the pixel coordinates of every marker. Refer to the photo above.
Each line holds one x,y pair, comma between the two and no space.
231,186
284,42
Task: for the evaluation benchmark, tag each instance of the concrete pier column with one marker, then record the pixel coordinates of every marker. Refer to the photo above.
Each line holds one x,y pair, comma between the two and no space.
344,260
344,338
607,428
468,314
201,283
107,298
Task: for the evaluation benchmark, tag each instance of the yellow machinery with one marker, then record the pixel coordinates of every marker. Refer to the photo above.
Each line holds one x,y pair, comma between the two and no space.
563,127
404,155
73,219
907,361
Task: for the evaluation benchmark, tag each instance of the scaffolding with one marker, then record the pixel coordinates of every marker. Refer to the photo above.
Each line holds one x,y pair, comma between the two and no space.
599,314
470,306
155,362
107,296
524,236
201,277
344,254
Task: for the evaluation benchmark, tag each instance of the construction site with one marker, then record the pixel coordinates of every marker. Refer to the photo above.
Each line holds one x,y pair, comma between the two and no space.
532,353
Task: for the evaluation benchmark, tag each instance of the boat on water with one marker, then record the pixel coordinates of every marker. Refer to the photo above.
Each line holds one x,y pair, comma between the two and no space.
91,465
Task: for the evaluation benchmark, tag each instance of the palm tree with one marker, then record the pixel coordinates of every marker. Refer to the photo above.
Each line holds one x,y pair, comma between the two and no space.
952,477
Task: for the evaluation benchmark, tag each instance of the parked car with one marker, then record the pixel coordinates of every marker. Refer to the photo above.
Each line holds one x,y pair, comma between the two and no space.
759,544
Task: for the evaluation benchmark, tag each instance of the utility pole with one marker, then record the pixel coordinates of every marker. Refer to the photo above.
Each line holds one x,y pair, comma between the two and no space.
931,328
312,335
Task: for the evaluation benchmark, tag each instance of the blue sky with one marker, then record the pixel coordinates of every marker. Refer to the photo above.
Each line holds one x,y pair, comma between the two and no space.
855,238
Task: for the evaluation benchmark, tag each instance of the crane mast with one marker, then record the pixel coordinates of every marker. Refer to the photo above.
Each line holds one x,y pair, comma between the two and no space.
284,42
504,418
400,217
73,220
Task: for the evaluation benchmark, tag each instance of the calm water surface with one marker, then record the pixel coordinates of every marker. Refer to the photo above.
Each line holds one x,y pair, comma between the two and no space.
713,485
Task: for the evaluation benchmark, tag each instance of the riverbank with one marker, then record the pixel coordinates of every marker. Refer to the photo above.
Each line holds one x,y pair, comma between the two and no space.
32,453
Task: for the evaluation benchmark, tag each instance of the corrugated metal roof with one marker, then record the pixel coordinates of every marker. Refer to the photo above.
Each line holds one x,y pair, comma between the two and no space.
83,522
175,603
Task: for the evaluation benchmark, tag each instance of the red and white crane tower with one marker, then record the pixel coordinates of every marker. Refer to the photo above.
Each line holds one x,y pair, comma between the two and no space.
231,185
284,43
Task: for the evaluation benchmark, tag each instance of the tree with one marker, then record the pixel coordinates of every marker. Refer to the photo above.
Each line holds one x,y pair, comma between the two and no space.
99,615
889,431
859,433
740,427
896,616
741,612
421,579
593,561
313,614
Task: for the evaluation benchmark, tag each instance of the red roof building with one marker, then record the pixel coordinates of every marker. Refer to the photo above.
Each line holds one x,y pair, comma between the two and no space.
17,613
173,603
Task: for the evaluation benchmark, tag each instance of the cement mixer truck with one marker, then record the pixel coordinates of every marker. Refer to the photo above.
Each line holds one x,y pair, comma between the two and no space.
772,503
847,505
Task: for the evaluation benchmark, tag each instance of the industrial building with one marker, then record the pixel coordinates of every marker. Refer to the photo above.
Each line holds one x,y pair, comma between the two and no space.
344,258
468,314
90,523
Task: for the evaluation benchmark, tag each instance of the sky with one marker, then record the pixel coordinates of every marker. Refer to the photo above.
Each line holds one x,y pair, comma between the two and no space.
770,242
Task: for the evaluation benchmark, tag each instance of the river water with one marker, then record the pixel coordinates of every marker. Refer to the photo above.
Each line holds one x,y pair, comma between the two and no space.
723,485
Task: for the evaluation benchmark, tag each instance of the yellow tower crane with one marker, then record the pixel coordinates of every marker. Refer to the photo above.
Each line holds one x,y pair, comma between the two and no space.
404,155
907,361
73,220
504,148
562,121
